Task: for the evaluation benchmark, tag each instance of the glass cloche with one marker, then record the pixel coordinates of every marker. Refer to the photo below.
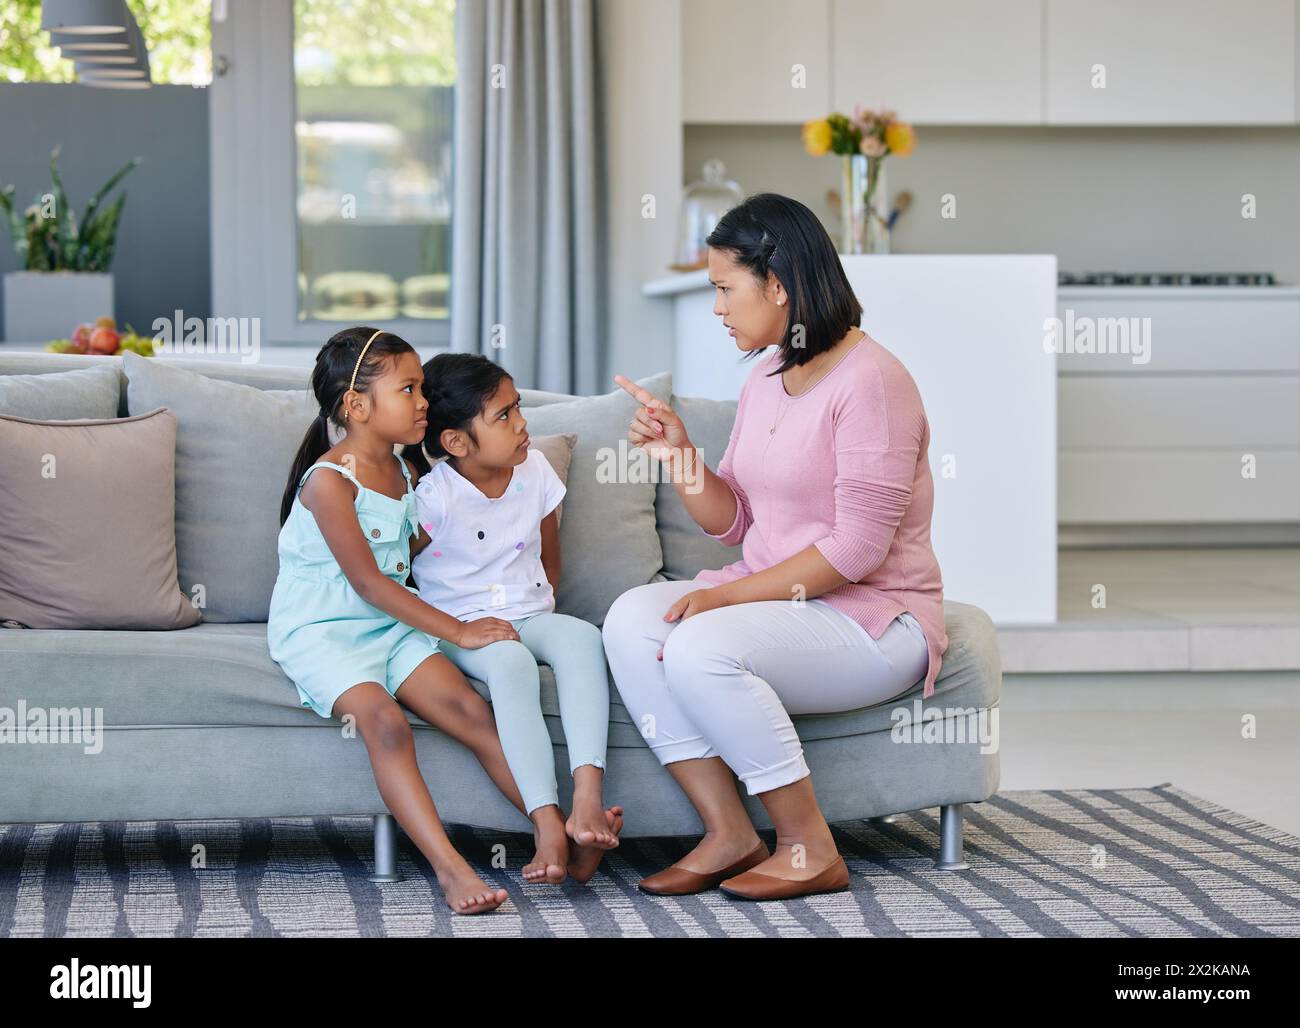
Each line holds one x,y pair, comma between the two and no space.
704,202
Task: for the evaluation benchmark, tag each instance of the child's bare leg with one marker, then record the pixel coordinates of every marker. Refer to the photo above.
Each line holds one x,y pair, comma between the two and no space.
391,746
449,703
445,700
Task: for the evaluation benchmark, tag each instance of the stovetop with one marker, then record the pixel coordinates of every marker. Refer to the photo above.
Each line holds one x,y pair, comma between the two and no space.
1165,278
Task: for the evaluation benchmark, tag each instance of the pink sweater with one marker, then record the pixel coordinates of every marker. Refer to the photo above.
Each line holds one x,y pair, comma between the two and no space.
846,470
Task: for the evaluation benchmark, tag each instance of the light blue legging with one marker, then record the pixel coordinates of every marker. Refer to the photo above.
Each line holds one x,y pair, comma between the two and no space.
576,653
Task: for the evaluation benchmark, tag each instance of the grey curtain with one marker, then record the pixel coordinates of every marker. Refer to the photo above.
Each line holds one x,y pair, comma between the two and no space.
527,221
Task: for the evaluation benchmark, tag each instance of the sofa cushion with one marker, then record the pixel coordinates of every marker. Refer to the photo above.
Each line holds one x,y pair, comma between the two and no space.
540,398
84,393
687,550
234,447
211,674
256,375
608,539
216,674
87,508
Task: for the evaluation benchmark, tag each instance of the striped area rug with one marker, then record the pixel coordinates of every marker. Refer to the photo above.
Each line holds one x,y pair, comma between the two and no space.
1112,863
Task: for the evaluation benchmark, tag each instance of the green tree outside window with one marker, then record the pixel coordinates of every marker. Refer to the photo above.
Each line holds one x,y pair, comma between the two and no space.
177,33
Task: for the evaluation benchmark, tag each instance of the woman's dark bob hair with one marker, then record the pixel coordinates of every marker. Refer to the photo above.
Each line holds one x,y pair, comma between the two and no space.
770,232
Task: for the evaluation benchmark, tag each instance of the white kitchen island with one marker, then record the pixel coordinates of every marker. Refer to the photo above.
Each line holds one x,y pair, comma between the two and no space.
970,329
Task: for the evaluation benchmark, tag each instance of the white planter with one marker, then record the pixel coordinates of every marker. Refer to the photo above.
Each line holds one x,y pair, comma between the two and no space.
45,305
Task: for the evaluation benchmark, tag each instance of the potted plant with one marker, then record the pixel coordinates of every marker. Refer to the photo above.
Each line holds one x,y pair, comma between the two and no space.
864,141
66,260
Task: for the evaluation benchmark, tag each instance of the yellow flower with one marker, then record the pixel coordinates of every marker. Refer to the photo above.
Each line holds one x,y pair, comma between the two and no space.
900,138
817,137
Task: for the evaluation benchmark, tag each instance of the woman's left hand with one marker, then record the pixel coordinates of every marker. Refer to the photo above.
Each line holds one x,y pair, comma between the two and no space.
694,603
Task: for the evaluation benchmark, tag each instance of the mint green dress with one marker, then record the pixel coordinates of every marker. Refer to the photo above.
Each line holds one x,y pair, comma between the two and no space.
323,635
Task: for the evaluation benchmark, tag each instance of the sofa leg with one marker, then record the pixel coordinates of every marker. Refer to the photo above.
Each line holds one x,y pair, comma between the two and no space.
385,849
884,819
950,845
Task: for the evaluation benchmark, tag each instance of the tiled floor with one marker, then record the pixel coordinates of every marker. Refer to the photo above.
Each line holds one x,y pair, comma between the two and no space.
1232,738
1225,609
1189,674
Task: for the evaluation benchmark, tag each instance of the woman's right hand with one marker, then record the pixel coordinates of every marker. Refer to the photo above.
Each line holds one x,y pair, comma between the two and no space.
655,427
483,631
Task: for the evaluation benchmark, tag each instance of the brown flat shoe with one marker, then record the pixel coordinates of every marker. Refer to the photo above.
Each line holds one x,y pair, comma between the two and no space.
677,881
754,885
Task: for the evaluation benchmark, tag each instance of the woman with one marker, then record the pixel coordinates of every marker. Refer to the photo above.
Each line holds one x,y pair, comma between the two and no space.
837,601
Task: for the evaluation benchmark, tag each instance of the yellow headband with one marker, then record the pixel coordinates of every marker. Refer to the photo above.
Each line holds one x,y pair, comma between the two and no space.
360,357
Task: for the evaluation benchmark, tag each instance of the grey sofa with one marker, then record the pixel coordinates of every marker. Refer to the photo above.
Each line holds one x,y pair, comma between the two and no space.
203,724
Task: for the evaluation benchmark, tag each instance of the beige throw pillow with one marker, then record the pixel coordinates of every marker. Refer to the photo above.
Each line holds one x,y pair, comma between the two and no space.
558,449
88,514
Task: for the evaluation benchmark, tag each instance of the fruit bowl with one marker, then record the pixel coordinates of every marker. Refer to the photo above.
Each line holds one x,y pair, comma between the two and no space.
103,338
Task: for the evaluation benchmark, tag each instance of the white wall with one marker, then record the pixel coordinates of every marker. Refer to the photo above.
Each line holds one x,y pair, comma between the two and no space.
640,51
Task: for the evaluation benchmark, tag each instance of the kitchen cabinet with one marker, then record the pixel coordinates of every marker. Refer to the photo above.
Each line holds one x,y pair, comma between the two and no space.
1190,329
739,58
1177,488
940,61
1160,434
995,62
1170,62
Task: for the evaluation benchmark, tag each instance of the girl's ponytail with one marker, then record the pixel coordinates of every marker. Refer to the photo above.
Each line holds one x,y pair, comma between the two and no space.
314,443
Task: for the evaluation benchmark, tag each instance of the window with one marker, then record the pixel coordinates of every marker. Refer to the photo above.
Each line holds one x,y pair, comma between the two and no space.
332,146
374,88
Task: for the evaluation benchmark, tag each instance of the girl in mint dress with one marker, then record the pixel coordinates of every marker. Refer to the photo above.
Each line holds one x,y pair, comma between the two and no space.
345,628
324,635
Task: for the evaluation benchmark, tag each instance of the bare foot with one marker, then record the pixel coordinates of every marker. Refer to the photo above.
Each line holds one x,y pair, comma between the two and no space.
547,865
585,859
465,892
588,823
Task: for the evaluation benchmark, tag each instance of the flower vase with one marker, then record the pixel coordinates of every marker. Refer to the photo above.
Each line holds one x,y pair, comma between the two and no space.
865,208
853,207
876,208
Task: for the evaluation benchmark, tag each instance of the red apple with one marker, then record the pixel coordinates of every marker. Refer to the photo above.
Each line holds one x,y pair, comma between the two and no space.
106,322
104,340
81,338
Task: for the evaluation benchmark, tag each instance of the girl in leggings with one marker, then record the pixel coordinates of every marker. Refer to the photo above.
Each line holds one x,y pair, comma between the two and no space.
493,558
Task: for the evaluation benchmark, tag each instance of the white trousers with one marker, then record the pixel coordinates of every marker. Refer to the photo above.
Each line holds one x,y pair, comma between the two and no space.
731,677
